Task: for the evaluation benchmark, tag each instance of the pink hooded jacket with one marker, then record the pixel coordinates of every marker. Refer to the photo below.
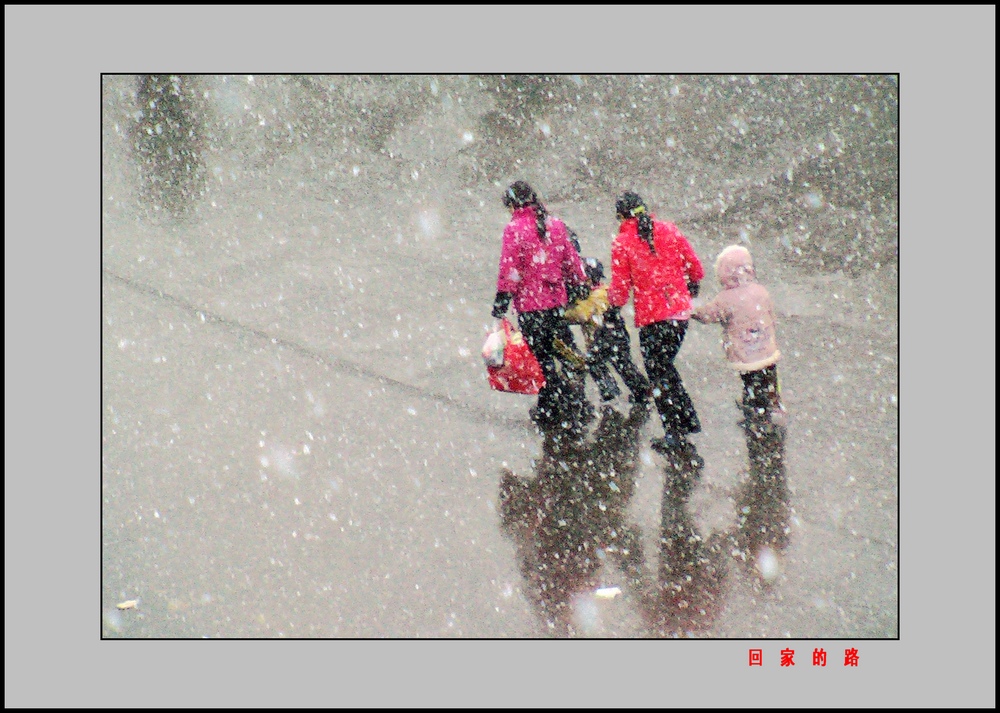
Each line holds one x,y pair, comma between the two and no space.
536,271
745,310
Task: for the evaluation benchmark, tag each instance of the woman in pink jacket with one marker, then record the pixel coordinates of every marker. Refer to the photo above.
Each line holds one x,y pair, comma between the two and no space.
653,261
746,312
539,267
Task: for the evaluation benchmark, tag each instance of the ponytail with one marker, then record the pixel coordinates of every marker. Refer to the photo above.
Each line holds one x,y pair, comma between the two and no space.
645,227
540,215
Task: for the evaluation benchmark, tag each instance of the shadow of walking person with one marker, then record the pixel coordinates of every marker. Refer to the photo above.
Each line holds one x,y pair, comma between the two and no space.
763,503
569,523
691,571
167,139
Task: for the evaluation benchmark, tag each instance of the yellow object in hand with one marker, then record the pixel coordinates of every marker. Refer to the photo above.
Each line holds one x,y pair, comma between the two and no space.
586,310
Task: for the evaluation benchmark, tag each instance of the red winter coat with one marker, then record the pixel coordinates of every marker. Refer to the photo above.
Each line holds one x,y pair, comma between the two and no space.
536,271
745,310
659,281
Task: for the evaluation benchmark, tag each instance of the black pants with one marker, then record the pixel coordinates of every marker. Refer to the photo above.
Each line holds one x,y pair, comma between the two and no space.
563,393
610,347
760,389
659,343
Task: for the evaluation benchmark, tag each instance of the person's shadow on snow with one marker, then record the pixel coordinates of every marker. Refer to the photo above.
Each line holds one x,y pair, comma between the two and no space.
762,530
570,520
687,592
692,569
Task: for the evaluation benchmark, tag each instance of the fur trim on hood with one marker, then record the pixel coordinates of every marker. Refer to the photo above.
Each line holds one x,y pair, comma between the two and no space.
734,267
744,367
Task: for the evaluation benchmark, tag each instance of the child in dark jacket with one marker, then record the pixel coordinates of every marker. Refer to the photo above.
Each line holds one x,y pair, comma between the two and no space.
607,340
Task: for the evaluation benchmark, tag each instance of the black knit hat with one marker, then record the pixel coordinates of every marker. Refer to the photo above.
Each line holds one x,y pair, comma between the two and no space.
594,270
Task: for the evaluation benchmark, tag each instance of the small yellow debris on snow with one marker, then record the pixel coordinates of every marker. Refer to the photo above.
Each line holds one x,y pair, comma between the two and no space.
130,604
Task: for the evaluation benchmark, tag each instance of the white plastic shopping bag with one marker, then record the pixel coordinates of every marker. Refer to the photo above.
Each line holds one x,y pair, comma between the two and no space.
494,346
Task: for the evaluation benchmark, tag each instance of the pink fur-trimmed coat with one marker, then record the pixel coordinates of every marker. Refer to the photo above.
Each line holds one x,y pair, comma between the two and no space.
745,310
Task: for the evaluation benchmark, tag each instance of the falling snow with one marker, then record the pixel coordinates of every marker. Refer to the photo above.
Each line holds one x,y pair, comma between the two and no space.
298,436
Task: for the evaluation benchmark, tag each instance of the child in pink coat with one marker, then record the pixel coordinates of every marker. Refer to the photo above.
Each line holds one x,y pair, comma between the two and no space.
746,312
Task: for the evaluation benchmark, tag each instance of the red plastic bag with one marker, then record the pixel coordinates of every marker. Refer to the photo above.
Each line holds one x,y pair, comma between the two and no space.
521,372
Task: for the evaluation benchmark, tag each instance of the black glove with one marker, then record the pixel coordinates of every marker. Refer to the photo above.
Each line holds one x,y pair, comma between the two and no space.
500,304
577,292
694,288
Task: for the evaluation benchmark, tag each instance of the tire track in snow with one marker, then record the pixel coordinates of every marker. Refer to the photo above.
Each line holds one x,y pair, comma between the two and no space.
345,365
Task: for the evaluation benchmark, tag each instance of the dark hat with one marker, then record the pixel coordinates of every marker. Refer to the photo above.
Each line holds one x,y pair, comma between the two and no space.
594,269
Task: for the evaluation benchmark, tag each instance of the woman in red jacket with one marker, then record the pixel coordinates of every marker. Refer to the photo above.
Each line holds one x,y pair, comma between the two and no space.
653,261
